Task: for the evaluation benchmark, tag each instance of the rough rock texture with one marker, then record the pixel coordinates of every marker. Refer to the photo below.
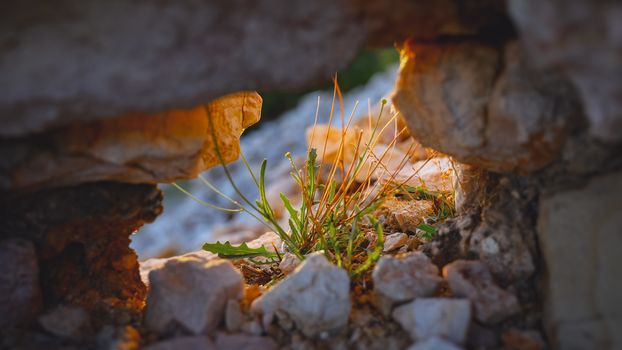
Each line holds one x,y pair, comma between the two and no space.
394,241
192,294
402,278
134,148
79,60
582,40
188,342
404,215
244,342
484,106
66,322
473,280
315,297
579,233
20,294
81,235
425,318
434,343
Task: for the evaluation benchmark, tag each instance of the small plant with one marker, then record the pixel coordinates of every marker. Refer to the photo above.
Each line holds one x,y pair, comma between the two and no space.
336,211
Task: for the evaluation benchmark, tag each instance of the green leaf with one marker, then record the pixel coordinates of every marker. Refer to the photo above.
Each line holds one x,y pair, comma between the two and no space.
430,231
375,254
228,251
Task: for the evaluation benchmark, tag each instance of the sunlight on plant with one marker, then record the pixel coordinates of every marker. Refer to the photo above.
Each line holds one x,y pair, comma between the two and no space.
340,189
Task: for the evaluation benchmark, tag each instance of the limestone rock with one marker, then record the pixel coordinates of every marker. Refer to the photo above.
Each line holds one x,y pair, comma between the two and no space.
20,294
402,278
188,342
426,318
234,318
473,280
404,215
435,174
289,263
66,321
315,297
134,148
244,342
582,40
149,265
394,241
579,234
434,343
83,235
191,293
454,102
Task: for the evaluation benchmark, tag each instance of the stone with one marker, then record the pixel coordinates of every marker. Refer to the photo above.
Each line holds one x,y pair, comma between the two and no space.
579,235
516,339
192,294
455,102
583,42
315,298
425,318
234,318
82,234
435,174
401,278
66,322
394,241
434,343
473,280
146,266
289,263
187,342
134,148
469,186
20,294
244,342
404,215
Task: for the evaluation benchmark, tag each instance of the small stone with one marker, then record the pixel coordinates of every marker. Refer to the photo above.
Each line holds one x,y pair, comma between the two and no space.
20,294
149,265
289,263
252,327
405,215
194,342
241,341
192,293
269,240
234,318
434,343
66,321
315,297
473,280
425,318
394,241
402,278
516,339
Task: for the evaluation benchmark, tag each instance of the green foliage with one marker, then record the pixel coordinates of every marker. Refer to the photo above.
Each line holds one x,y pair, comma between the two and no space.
443,207
226,250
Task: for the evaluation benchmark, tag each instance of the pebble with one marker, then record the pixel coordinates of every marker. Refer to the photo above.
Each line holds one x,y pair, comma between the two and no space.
434,343
394,241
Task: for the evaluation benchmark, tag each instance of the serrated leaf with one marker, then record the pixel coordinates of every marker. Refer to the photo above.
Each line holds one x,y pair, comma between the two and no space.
228,251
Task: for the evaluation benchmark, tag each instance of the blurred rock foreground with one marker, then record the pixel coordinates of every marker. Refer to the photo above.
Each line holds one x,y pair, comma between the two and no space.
101,101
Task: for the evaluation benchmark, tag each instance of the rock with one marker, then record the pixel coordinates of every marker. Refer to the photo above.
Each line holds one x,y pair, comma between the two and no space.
135,148
469,186
315,297
454,102
583,42
149,265
82,238
394,241
579,235
20,294
188,342
473,280
234,318
404,215
115,337
244,342
66,322
191,293
270,240
515,339
425,318
434,174
434,343
402,278
289,263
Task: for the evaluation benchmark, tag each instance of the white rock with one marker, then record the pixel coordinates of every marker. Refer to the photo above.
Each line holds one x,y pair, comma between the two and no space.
234,318
65,321
149,265
289,263
241,341
194,342
191,292
473,280
269,240
395,241
315,297
402,278
434,343
425,318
